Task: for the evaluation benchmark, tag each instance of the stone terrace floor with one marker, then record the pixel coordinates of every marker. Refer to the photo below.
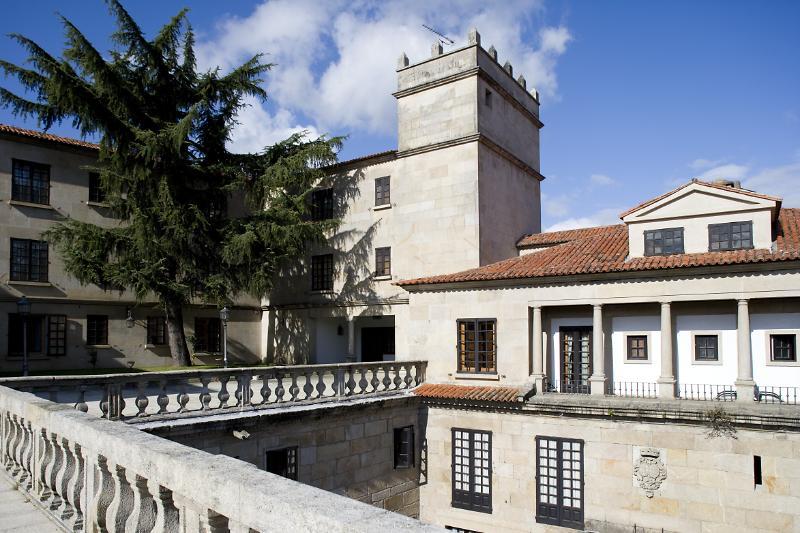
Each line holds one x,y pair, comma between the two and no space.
17,513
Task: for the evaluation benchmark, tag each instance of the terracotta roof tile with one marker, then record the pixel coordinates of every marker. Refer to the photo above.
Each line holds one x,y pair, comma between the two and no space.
605,249
42,136
469,392
704,183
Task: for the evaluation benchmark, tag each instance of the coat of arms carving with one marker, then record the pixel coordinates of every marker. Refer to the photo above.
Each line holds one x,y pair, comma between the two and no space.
649,470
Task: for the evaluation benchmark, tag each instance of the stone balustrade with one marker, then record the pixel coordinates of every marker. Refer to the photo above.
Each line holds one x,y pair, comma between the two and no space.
92,474
133,396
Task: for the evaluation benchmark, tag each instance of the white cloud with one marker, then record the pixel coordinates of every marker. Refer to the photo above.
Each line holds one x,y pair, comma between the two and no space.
780,181
603,217
335,61
601,179
258,129
728,171
702,164
556,206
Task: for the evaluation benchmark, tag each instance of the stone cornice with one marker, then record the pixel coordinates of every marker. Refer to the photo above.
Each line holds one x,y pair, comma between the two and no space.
336,304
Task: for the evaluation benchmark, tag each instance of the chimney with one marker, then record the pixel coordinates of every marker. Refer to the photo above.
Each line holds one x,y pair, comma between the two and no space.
402,61
734,184
473,37
437,49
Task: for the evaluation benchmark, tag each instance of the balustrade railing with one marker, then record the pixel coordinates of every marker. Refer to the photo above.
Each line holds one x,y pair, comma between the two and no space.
706,392
784,395
633,389
567,386
93,475
134,396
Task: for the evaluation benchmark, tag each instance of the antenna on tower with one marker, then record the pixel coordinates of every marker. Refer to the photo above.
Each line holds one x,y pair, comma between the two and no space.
444,39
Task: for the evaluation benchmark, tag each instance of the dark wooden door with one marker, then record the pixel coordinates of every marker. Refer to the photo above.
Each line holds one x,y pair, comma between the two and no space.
375,342
559,482
576,359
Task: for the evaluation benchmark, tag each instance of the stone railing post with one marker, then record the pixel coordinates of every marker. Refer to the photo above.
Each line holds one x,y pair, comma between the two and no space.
744,374
666,382
597,381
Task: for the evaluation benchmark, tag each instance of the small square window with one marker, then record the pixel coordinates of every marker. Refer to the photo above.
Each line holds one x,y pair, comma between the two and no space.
156,330
637,347
34,325
487,98
477,345
29,260
96,330
706,348
30,182
382,196
283,462
404,447
383,261
783,347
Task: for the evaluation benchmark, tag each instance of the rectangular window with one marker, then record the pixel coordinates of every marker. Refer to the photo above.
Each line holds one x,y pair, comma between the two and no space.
706,348
730,236
29,260
30,182
757,480
34,324
783,347
156,330
56,335
637,347
477,346
383,261
404,447
559,482
322,204
207,334
322,272
472,470
487,98
382,196
96,192
283,462
461,529
96,330
663,241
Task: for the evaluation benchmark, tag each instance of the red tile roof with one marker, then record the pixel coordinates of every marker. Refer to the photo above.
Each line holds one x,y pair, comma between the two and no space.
469,392
41,136
605,249
705,184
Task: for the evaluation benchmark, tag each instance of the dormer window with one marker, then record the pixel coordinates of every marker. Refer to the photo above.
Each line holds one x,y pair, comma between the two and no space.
666,241
730,236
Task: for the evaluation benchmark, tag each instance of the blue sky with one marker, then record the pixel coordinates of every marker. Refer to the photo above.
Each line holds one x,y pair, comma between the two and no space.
637,97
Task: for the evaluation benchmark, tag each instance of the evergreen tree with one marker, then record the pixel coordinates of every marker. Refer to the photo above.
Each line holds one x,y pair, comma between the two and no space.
166,172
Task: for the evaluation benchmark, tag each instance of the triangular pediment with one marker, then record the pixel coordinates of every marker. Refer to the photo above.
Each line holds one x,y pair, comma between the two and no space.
700,199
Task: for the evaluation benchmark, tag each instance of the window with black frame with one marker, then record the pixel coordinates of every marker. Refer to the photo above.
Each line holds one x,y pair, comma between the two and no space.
665,241
730,236
29,260
96,192
472,470
477,345
559,482
706,348
322,272
404,447
637,347
96,330
56,335
383,261
207,334
283,462
322,204
30,182
156,330
783,347
382,191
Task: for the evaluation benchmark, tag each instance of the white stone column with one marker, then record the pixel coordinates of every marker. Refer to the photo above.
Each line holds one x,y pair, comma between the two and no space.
536,348
666,382
351,339
744,376
598,379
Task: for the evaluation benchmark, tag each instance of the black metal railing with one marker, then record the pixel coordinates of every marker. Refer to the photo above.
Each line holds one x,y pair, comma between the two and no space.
706,392
633,389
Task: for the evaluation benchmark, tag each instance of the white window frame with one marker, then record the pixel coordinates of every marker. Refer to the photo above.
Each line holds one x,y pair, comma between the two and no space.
768,346
720,347
625,336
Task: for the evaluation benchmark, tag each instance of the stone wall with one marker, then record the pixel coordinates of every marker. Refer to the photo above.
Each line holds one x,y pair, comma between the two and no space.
709,483
347,450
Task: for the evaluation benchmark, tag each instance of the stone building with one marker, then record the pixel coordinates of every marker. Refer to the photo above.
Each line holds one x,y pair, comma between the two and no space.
44,179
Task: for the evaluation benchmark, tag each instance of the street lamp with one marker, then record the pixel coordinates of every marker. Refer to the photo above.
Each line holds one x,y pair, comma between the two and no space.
224,313
24,309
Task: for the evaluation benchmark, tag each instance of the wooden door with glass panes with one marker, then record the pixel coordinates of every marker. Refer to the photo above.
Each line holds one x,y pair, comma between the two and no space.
559,482
576,359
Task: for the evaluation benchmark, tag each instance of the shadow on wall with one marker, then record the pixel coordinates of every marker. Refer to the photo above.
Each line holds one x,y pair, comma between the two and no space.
289,332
